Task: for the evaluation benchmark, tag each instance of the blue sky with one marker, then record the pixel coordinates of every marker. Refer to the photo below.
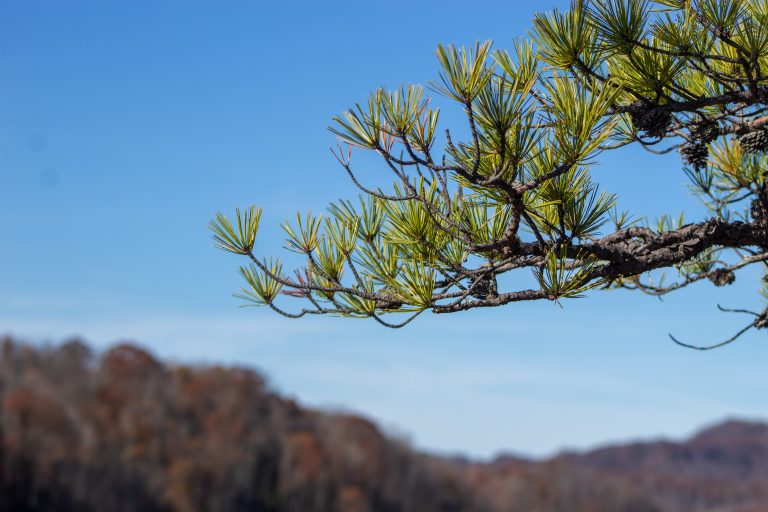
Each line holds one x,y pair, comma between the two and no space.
125,126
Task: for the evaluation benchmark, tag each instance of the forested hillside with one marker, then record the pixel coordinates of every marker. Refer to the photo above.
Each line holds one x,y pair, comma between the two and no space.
122,431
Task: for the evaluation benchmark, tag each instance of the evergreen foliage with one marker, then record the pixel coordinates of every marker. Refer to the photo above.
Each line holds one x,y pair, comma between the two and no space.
516,195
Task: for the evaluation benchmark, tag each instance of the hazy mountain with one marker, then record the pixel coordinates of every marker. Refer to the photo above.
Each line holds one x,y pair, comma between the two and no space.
723,468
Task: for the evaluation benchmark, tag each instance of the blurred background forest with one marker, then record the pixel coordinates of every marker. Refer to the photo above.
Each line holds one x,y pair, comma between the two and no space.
123,431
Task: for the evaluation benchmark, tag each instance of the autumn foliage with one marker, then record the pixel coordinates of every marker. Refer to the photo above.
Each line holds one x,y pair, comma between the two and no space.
122,431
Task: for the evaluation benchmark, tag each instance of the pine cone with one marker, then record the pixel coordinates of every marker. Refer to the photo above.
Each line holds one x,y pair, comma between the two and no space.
485,287
649,120
386,299
755,142
722,277
757,210
695,155
705,132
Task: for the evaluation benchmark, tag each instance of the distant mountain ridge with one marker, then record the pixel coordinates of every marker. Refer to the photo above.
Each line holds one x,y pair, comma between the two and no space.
722,468
123,432
732,449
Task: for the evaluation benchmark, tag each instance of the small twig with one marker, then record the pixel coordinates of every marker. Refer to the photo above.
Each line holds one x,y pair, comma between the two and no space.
716,345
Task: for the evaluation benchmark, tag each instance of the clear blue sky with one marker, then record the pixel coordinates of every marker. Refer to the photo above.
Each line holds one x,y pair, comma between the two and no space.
125,125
